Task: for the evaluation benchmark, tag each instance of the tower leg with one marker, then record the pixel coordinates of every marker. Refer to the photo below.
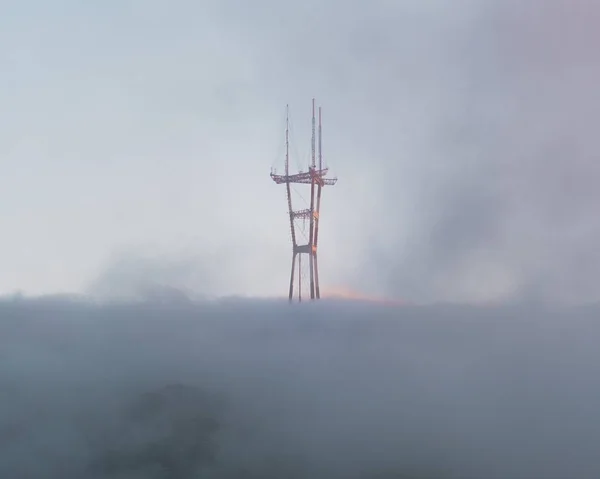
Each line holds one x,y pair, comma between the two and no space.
312,276
299,278
292,277
317,291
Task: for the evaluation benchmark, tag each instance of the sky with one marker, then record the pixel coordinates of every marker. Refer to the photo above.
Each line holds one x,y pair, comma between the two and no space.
138,136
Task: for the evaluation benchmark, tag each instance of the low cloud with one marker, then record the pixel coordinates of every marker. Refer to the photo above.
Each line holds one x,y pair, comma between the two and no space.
142,275
260,389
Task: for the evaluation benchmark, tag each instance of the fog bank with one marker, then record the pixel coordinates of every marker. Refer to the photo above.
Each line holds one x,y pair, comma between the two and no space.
260,389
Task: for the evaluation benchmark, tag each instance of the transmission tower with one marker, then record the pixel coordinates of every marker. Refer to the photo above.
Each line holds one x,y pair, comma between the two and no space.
316,178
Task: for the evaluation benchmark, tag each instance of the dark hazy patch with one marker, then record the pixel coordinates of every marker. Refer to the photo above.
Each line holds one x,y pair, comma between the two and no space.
506,183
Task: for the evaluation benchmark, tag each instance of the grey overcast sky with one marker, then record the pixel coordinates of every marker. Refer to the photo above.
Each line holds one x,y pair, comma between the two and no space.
137,138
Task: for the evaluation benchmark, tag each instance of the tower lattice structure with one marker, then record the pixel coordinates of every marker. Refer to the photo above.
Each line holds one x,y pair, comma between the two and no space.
316,178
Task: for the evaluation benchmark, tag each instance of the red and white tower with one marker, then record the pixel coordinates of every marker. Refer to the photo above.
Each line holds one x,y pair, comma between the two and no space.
316,178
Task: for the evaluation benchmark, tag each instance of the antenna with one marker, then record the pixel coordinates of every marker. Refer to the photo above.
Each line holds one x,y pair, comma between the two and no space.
317,213
320,143
287,140
313,134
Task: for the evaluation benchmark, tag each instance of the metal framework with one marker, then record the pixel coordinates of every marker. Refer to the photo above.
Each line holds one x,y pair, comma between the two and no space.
316,178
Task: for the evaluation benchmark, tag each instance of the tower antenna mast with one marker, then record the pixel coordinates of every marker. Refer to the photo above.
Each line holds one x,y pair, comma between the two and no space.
316,178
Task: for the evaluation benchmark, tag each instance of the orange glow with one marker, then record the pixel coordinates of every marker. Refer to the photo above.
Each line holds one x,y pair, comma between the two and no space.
347,293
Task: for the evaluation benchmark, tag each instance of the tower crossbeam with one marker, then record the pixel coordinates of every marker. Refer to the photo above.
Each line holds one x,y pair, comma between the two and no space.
317,176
